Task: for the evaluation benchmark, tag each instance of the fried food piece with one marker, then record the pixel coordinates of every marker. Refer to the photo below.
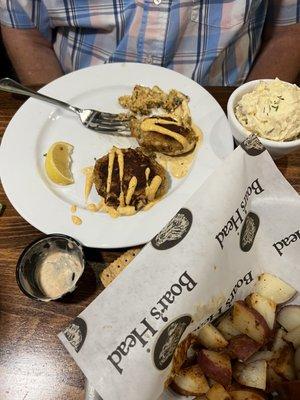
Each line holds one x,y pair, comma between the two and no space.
128,177
171,134
242,347
216,366
164,134
250,322
173,100
143,99
190,381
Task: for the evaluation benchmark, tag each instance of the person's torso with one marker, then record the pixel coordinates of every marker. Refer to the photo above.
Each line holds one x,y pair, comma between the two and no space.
214,42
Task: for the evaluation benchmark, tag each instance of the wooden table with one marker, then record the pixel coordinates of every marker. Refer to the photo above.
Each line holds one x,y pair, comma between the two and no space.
33,363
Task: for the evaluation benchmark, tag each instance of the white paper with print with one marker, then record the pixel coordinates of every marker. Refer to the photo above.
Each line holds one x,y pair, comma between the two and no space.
244,220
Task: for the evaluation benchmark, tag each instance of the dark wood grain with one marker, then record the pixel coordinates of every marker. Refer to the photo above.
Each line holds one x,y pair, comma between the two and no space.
33,363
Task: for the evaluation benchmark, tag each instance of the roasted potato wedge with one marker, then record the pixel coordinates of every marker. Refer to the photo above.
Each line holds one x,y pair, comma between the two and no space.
250,322
289,317
190,381
226,327
266,355
211,338
216,366
217,392
284,365
265,307
293,337
251,374
278,343
242,347
274,288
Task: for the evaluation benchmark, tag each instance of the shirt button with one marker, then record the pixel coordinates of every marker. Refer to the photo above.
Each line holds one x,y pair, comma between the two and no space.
157,2
195,15
149,59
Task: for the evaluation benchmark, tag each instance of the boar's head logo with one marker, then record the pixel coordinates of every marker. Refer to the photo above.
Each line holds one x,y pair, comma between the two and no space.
76,333
174,231
249,231
168,341
253,146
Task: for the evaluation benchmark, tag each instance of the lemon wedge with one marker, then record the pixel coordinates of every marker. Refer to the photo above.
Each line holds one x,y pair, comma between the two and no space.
57,163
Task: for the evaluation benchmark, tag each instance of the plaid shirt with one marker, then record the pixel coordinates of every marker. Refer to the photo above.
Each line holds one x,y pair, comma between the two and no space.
212,41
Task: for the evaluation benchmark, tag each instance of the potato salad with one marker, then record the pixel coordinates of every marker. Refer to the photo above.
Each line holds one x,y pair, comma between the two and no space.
271,110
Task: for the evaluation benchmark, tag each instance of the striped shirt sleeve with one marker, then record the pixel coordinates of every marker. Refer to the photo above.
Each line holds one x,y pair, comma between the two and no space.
283,12
25,14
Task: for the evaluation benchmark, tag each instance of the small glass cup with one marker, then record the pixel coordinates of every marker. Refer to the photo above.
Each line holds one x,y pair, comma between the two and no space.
31,257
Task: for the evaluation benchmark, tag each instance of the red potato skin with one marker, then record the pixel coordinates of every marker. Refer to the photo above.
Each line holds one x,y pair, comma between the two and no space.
178,390
284,365
220,372
242,347
289,390
259,319
273,379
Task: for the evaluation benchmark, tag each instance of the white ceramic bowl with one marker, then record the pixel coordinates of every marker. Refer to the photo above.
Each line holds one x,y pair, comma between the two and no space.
276,149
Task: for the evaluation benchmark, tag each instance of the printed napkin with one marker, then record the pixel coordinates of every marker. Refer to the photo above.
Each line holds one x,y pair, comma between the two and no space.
244,220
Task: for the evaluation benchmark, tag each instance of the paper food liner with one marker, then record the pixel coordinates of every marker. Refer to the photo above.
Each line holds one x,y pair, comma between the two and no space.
244,220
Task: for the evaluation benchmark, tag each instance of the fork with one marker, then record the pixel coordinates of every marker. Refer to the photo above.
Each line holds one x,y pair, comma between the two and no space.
102,122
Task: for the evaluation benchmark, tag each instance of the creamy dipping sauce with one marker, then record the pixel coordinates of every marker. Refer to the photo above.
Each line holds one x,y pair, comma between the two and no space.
58,273
271,110
178,166
76,220
92,207
120,211
88,172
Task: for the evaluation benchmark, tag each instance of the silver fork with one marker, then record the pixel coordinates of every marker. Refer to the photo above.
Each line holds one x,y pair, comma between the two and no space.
102,122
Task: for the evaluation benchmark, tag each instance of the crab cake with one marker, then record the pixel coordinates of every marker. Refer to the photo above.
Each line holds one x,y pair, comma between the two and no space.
128,177
164,134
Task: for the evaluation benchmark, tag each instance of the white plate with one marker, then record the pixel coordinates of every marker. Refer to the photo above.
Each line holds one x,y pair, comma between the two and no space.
37,125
